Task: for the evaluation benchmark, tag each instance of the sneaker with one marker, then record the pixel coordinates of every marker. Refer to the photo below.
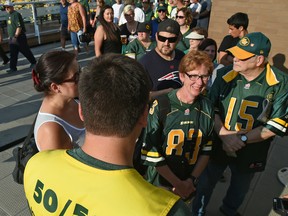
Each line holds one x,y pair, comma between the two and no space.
5,62
11,70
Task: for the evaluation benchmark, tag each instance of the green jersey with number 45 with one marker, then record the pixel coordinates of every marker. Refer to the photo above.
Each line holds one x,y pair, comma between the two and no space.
185,134
243,106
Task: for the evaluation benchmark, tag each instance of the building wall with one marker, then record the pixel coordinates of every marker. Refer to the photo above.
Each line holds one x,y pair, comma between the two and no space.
267,16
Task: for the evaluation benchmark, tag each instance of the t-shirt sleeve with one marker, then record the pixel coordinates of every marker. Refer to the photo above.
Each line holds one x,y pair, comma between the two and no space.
179,209
279,117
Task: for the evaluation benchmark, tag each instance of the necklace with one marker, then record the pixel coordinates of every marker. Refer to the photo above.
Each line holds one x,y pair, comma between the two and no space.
132,27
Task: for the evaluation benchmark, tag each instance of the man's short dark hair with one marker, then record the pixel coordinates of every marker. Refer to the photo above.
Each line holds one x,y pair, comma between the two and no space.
239,19
113,92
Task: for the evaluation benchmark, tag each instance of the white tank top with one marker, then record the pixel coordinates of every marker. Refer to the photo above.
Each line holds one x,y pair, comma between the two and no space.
76,134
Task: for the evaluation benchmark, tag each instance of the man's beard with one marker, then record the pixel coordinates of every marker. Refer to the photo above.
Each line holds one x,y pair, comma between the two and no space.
165,51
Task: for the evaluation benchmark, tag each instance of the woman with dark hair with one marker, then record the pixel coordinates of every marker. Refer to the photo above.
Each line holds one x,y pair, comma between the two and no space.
58,125
209,46
107,34
184,19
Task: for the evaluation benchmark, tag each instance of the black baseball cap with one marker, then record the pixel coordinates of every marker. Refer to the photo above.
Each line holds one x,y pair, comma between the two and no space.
144,27
169,25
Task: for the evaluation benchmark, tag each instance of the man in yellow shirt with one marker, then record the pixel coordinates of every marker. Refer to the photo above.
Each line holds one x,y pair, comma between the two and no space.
99,178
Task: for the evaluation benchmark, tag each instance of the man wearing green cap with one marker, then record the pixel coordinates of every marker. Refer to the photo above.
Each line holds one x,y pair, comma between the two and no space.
250,102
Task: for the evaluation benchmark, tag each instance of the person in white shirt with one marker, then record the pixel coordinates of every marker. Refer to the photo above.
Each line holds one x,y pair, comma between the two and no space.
195,8
139,13
118,8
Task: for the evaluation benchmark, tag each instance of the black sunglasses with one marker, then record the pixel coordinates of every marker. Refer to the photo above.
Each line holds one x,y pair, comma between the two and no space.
180,17
161,11
170,39
75,78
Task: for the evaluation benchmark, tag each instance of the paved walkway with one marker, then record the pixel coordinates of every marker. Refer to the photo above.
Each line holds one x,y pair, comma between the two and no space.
18,104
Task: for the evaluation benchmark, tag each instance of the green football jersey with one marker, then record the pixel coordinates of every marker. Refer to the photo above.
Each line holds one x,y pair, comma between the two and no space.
186,133
184,44
136,47
240,105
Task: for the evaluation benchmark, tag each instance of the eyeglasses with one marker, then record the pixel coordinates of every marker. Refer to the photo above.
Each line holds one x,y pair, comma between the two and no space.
194,77
170,39
180,17
75,78
161,11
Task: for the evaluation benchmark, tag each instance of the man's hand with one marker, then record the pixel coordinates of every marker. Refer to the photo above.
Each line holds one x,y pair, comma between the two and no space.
184,189
231,140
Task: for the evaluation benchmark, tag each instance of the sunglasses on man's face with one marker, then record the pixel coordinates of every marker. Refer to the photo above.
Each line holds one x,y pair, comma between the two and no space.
164,39
161,11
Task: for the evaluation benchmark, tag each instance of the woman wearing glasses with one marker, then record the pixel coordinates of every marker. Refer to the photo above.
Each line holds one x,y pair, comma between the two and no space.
130,27
177,150
184,19
58,125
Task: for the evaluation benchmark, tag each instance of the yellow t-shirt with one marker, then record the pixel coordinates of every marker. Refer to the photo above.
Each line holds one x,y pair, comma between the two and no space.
57,184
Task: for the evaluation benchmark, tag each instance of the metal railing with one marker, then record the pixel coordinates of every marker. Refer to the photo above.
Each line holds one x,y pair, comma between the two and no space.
35,11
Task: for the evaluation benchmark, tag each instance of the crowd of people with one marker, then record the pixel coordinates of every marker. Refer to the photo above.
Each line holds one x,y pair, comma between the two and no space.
160,97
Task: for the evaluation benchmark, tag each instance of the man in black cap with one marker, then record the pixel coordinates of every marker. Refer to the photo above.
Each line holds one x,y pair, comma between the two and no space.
142,44
162,62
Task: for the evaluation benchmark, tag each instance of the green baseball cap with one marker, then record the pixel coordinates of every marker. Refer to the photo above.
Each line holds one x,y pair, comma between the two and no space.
255,43
162,6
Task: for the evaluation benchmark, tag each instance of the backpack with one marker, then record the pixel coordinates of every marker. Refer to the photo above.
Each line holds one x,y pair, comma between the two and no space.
164,109
23,154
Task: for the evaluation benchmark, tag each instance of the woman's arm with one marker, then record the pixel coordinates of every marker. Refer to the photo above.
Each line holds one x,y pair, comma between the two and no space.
98,40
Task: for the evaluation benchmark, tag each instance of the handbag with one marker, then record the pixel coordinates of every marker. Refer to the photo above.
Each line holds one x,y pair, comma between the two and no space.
85,38
23,154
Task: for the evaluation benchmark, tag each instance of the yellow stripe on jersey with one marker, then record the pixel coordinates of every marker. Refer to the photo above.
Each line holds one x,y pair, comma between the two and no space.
228,77
271,76
149,153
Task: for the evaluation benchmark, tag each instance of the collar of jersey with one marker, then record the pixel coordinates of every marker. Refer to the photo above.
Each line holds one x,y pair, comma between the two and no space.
271,78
